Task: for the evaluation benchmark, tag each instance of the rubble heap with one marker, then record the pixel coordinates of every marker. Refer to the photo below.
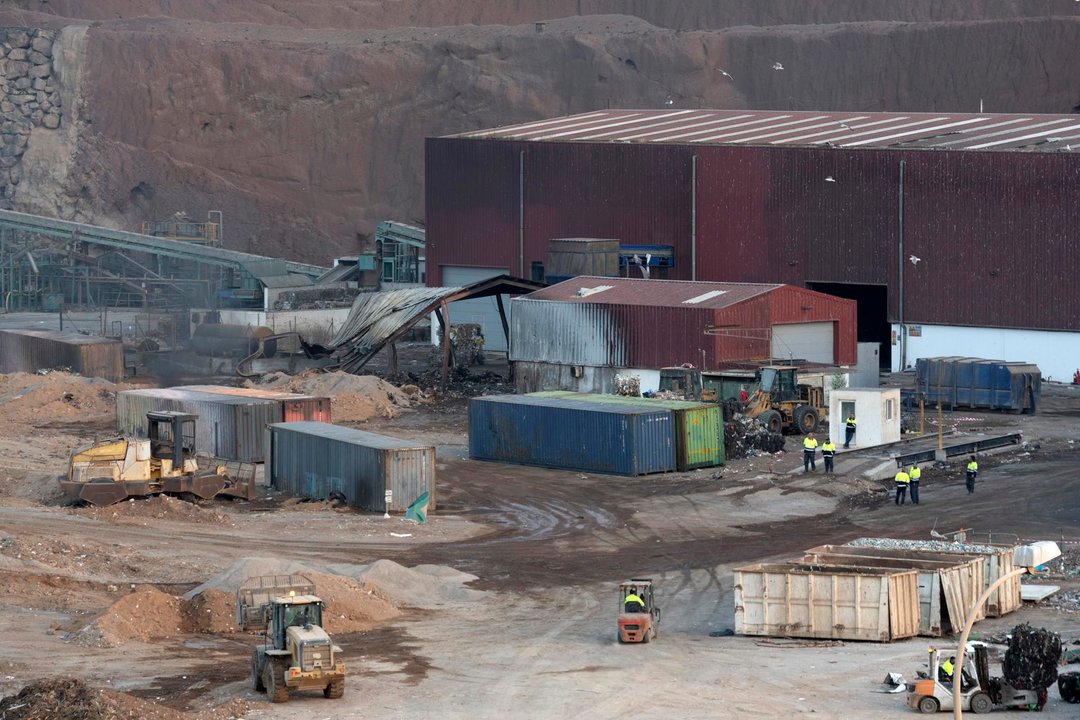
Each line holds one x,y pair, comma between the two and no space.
1032,658
746,437
70,699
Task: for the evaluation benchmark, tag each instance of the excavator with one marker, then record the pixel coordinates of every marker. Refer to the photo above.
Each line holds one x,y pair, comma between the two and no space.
109,471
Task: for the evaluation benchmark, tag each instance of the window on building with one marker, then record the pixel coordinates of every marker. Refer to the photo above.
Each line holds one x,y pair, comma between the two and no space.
888,409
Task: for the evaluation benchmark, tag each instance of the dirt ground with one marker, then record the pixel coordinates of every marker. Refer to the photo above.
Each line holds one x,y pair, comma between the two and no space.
509,605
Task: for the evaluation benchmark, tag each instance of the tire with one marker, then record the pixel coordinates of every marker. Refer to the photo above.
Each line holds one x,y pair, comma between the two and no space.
335,689
981,703
256,676
772,420
805,419
646,638
929,705
274,680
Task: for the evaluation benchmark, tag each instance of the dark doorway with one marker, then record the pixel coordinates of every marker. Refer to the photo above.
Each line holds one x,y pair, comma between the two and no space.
873,320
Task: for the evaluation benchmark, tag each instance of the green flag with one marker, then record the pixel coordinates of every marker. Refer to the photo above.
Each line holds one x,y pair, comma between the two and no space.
417,511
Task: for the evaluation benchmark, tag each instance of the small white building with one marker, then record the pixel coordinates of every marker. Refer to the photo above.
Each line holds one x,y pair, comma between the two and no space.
877,415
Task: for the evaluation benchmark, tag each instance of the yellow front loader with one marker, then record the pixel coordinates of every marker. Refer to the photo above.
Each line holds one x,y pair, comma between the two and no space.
109,471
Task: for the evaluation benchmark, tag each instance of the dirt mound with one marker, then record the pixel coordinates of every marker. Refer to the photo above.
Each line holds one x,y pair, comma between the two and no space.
69,699
146,614
29,398
159,507
354,398
212,611
351,606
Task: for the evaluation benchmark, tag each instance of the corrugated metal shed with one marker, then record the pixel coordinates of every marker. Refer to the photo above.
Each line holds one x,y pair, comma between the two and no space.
617,439
629,323
317,460
33,350
230,428
295,407
933,131
991,216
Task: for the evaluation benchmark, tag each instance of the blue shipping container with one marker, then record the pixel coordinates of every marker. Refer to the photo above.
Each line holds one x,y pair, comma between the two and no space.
978,383
572,434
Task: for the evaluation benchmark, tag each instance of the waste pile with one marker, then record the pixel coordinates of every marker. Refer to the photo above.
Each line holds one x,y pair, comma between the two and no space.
933,545
1069,686
71,699
628,385
1032,658
747,437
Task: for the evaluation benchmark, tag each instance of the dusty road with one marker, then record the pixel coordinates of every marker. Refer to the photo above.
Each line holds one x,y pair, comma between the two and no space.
547,547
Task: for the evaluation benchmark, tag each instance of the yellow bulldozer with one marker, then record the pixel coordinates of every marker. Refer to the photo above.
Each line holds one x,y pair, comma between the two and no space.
109,471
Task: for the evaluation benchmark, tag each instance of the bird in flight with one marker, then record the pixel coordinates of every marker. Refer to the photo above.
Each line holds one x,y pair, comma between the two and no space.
725,74
830,178
777,66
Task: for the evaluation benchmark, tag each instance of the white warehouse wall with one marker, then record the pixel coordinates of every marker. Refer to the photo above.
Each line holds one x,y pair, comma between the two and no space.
1056,353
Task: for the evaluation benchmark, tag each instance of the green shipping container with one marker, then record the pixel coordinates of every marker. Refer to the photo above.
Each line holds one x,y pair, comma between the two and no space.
699,427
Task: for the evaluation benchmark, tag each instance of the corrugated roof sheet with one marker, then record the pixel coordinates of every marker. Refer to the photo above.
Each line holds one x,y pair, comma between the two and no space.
654,293
932,131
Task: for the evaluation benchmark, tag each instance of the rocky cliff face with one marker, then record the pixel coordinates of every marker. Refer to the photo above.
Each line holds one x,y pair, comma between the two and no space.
304,121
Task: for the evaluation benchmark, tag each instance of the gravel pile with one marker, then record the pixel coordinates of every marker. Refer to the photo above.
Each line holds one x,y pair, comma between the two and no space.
932,545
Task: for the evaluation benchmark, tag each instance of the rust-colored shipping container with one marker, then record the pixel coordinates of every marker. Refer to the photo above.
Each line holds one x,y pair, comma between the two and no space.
33,350
295,407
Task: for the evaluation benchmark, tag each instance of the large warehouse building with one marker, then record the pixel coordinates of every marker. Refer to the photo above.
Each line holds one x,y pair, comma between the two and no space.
956,234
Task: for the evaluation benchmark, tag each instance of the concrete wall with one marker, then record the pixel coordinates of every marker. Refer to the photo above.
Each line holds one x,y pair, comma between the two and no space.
867,373
876,410
1056,353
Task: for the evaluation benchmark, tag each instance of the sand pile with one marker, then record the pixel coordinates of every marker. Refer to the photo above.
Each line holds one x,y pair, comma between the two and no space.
354,398
27,398
423,586
146,614
69,699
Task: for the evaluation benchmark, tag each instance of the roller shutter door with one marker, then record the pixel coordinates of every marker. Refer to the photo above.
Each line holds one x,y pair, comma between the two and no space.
480,310
806,341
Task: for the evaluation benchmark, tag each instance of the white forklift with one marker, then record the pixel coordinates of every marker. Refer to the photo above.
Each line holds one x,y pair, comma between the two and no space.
979,693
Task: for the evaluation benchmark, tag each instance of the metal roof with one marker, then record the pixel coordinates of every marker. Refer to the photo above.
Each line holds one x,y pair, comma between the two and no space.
652,293
1028,132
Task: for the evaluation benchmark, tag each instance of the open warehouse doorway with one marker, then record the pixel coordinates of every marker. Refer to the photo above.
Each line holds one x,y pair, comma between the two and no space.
873,318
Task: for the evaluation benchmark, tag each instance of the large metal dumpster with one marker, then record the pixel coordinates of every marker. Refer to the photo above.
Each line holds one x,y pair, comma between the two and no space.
820,601
571,434
33,350
699,427
978,383
295,407
948,585
997,561
228,427
317,460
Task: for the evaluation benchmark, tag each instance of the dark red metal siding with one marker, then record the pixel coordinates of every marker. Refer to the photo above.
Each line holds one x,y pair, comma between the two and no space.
998,235
742,331
996,232
664,336
472,205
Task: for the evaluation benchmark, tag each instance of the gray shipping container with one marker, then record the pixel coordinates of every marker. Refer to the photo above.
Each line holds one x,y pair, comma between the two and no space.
315,460
33,350
230,428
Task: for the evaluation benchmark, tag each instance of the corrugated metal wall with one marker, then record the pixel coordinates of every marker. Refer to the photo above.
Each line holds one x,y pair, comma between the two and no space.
615,439
230,428
33,350
295,407
316,460
995,231
597,335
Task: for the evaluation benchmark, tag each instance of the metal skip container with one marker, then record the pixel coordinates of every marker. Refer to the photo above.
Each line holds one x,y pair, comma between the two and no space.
33,350
572,434
948,584
822,601
699,427
230,428
374,472
295,407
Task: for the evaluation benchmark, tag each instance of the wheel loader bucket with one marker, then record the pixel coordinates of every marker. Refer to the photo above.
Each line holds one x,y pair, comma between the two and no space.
206,486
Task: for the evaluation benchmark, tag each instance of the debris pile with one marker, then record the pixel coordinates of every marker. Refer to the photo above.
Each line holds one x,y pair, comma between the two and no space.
467,341
628,385
934,545
70,699
354,398
747,437
26,398
1069,686
137,511
1032,658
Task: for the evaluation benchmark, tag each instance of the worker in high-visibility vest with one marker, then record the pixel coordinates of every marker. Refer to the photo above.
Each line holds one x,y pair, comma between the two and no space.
828,452
915,473
849,430
902,479
809,449
972,471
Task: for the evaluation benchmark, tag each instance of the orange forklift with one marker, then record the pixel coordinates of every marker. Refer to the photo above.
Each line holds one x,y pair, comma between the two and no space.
638,621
